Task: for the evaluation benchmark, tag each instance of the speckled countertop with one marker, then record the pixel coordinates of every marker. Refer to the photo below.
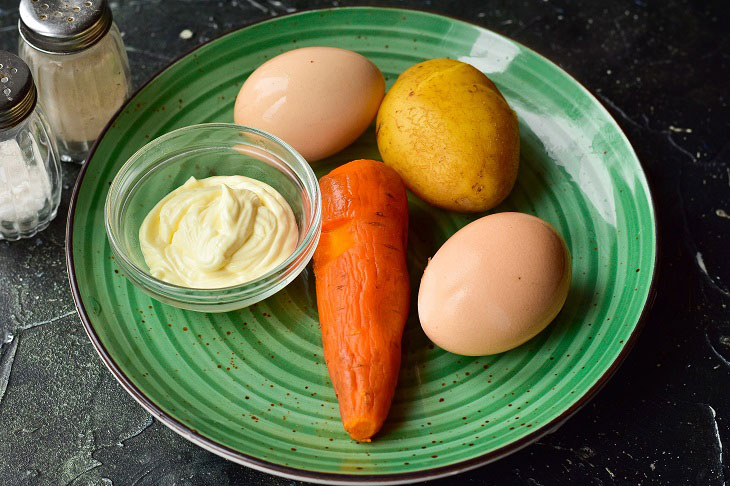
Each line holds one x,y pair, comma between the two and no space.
662,68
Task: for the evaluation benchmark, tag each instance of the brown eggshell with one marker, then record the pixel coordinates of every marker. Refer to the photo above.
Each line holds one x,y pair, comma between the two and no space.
494,284
317,99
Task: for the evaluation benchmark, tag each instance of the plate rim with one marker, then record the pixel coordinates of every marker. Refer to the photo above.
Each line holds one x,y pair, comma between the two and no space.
337,478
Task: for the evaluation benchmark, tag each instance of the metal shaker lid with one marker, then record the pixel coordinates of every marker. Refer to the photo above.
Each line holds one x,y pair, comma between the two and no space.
17,91
63,26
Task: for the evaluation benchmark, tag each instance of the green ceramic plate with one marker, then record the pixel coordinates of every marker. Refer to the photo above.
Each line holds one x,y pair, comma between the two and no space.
252,385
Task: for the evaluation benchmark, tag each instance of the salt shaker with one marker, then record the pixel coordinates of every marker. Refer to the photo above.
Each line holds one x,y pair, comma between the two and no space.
30,177
80,67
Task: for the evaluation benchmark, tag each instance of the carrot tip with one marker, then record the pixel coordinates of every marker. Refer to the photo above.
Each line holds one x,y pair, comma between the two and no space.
361,430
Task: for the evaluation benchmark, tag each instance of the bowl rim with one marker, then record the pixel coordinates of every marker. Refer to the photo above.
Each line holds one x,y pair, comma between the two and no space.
410,477
261,282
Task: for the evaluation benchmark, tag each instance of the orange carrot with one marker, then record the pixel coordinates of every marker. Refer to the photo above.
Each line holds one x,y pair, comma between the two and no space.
362,289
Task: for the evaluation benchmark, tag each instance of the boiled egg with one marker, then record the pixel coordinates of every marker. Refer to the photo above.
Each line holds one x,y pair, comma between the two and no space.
317,99
495,284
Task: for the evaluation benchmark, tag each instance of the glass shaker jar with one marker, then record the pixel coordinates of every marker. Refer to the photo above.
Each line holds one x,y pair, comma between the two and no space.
30,177
80,66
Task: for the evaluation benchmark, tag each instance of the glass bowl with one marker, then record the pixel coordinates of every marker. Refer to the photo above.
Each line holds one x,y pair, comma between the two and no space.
211,149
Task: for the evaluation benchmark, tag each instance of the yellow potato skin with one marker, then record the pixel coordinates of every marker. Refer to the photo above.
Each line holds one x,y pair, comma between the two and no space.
450,134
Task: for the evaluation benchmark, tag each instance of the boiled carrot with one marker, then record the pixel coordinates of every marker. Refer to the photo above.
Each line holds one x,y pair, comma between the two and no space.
363,289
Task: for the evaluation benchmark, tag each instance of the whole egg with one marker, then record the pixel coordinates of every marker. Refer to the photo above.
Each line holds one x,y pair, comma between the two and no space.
494,284
317,99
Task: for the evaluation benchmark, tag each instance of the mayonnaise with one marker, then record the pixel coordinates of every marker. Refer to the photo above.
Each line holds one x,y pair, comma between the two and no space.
218,232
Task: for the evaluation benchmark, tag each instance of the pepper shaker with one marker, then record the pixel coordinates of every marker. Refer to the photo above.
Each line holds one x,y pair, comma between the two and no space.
30,177
80,67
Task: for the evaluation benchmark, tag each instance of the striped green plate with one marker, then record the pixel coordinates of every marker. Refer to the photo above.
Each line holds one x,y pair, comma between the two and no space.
252,385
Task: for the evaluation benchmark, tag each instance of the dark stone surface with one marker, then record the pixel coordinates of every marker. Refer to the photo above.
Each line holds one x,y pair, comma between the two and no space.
662,68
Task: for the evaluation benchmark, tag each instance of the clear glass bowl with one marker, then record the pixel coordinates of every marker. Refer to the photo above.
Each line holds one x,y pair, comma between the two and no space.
212,149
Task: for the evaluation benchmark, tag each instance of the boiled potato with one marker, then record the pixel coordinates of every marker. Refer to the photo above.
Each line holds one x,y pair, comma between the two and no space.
447,130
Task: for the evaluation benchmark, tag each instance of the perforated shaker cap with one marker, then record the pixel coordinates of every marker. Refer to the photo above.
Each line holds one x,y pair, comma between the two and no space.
63,26
17,91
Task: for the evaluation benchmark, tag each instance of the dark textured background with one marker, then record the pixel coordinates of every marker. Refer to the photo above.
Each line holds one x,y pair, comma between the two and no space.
662,68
